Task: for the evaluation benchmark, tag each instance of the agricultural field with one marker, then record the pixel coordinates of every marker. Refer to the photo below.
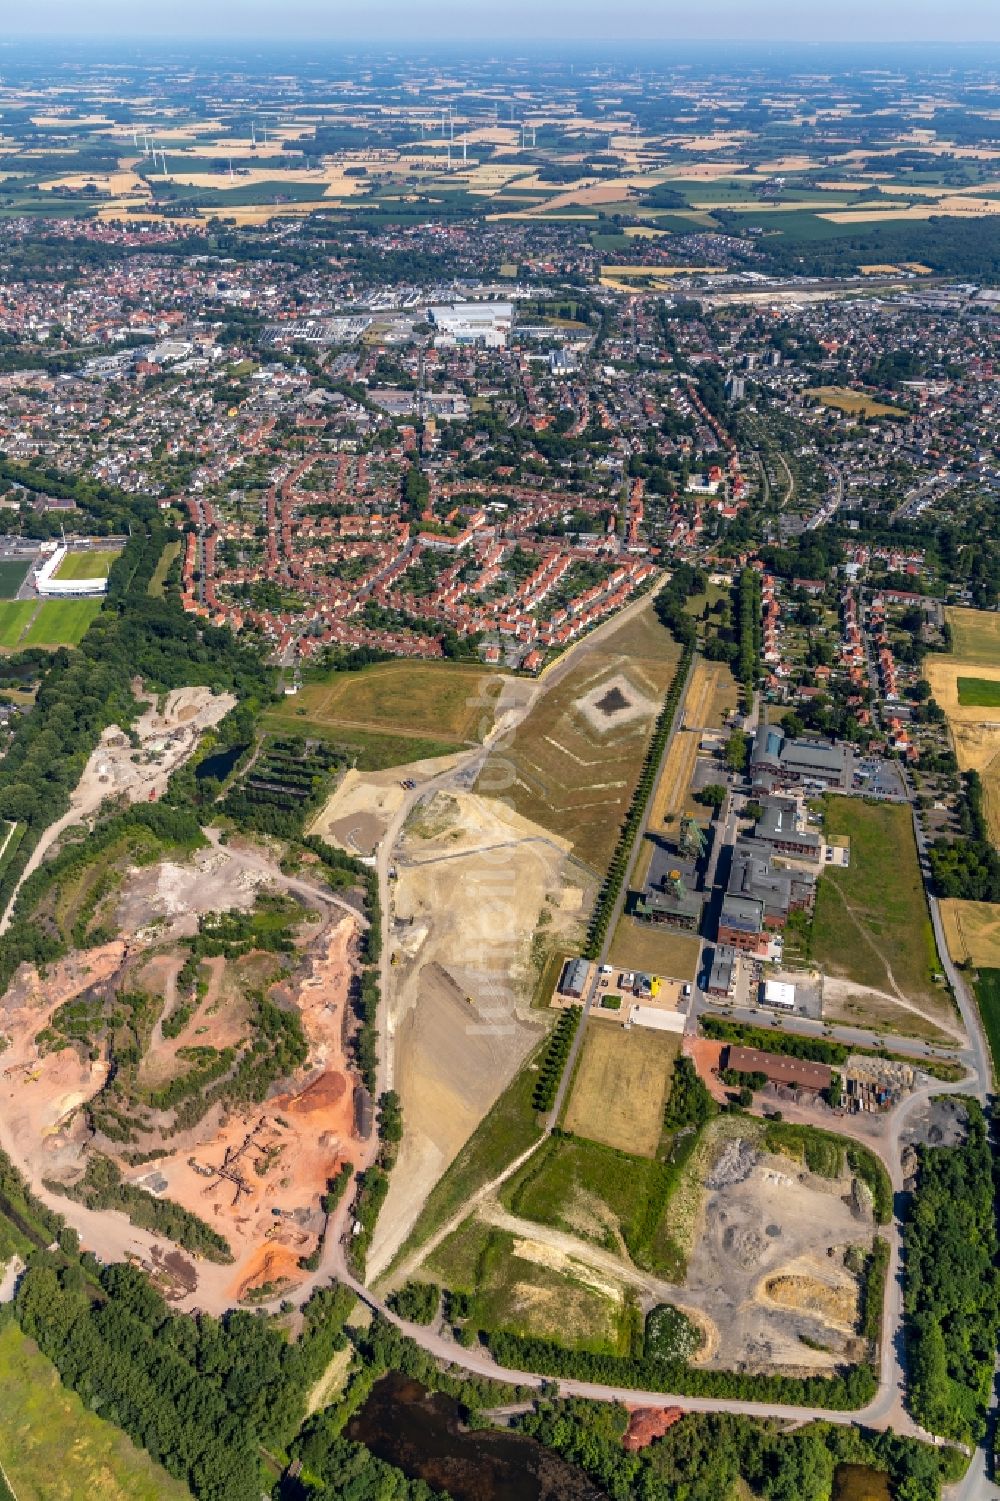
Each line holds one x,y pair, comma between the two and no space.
620,1087
61,622
973,932
981,693
94,564
12,576
54,1448
441,704
872,934
853,403
966,683
573,763
975,636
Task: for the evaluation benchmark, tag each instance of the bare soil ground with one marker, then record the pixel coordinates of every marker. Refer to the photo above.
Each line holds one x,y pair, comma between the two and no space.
289,1146
474,880
880,1010
362,806
767,1264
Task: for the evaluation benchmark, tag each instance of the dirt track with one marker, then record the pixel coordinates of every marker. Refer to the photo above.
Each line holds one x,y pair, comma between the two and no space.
473,881
166,739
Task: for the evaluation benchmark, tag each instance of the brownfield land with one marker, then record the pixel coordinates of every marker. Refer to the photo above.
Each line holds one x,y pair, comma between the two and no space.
477,885
573,763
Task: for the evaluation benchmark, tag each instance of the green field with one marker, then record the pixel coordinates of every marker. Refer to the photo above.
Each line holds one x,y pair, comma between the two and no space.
61,622
980,693
872,918
157,583
365,749
511,1291
14,616
12,576
53,1448
988,995
86,565
601,1195
416,708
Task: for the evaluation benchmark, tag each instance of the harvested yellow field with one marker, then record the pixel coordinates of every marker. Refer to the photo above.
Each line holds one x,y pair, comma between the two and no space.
706,171
719,140
975,635
117,183
975,728
944,673
844,399
621,1086
962,208
972,930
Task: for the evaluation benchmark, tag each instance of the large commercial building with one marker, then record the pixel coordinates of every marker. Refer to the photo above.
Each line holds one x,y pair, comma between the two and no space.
783,827
486,323
779,762
796,1073
760,897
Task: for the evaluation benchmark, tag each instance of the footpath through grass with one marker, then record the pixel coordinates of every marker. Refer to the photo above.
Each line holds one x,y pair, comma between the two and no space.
509,1129
873,917
54,1449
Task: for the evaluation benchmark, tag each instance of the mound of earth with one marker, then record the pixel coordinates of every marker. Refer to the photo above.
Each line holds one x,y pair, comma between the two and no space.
647,1423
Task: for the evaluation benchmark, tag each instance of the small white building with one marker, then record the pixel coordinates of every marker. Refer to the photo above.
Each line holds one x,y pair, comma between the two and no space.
779,994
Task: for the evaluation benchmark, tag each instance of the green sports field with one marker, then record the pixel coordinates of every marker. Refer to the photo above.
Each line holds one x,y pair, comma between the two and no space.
86,565
14,616
11,577
60,622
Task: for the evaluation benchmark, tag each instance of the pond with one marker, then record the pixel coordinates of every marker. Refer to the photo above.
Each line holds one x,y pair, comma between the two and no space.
220,764
421,1433
860,1483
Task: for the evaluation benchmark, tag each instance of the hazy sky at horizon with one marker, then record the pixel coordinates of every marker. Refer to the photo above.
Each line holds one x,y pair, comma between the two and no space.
386,21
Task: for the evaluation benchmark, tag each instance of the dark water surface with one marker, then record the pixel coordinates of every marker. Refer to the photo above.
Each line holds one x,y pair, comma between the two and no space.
420,1432
220,764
